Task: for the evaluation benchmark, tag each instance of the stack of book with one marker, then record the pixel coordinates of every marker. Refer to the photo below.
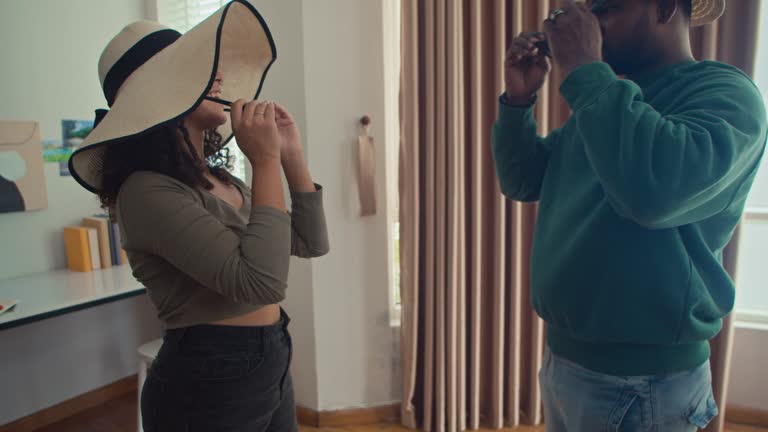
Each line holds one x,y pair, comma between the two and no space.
93,245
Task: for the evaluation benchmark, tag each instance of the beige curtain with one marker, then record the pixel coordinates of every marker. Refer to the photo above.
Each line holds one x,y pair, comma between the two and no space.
471,344
732,39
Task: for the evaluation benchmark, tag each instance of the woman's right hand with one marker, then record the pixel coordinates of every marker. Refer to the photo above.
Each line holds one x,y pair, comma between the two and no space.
256,130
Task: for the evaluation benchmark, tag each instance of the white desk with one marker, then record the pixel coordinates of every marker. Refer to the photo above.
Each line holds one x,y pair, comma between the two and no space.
49,294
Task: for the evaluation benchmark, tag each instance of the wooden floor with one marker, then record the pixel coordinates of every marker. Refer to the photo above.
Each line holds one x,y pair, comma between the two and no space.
119,415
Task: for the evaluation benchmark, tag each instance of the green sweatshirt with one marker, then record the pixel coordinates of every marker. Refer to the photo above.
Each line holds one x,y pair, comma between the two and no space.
639,192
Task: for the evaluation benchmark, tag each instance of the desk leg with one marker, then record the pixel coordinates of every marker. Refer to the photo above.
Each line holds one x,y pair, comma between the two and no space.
142,377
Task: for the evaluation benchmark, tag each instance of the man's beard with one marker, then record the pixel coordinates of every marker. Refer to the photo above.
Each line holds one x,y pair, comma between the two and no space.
626,61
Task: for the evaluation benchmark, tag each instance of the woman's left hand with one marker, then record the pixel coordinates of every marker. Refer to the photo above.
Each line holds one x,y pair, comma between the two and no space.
292,153
290,145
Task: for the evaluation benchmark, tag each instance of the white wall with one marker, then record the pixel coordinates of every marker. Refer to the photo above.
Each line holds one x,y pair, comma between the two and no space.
50,50
285,84
357,350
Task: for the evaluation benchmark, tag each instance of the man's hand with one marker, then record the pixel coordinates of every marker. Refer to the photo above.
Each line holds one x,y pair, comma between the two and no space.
574,37
525,68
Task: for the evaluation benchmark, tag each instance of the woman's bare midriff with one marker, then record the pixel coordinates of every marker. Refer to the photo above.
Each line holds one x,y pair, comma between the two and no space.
266,316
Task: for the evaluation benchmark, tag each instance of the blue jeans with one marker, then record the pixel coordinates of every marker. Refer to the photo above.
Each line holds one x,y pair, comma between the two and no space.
580,400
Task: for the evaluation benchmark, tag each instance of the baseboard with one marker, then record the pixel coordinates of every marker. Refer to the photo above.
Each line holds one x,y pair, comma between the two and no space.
350,417
72,406
307,417
746,416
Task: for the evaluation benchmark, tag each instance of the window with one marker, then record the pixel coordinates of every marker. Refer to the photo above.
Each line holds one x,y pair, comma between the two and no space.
391,16
752,290
182,15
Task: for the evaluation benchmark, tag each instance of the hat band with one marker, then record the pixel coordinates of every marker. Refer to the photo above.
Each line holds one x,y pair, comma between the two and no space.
147,47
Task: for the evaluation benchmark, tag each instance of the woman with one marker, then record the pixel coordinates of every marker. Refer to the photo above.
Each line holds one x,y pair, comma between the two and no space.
212,252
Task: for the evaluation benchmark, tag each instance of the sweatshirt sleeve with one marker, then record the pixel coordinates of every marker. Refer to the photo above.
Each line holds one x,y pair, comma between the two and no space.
161,216
663,170
309,233
519,153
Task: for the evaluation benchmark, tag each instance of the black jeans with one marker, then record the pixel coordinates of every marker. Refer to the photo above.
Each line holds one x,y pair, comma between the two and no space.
221,379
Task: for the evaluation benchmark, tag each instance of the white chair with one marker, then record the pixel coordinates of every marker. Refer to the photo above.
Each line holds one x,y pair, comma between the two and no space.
147,354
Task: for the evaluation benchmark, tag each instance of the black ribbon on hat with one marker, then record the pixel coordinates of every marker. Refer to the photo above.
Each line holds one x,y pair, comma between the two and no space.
136,56
100,114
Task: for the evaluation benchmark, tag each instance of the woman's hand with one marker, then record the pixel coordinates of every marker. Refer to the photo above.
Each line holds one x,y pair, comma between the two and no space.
255,127
291,153
290,137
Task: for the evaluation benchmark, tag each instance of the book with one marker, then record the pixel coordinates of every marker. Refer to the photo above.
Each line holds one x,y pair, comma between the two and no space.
117,254
77,248
102,227
93,248
112,246
117,247
113,252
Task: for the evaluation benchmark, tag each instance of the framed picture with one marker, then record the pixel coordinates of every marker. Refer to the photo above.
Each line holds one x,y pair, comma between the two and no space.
22,178
73,132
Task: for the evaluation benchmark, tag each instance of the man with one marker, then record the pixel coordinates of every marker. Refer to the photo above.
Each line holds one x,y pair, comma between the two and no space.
639,192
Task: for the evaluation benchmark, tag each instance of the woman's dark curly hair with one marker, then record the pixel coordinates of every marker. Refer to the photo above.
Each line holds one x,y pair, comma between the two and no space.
159,151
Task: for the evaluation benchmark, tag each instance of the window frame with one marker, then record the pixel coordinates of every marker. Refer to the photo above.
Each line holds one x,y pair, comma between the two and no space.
391,26
759,214
744,315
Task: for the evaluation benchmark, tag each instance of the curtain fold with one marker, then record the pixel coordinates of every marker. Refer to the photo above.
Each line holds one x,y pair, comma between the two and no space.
471,344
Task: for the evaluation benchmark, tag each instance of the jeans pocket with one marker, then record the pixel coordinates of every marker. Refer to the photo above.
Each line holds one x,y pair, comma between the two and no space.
703,412
228,366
